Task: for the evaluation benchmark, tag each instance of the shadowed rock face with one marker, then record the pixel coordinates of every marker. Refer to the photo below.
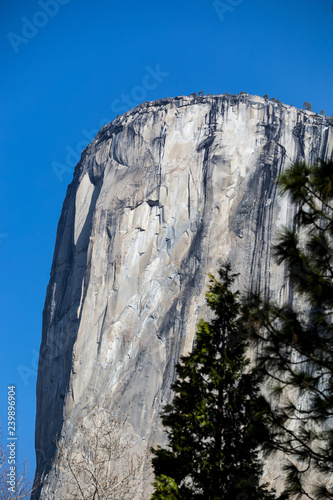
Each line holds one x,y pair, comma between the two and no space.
160,195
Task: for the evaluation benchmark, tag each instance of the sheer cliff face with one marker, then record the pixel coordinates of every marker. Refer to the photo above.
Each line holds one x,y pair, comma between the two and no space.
159,196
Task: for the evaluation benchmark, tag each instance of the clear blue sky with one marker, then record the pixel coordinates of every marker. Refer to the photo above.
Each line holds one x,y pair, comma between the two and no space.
70,66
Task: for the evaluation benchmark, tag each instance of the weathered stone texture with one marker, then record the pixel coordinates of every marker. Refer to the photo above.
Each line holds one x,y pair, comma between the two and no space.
160,195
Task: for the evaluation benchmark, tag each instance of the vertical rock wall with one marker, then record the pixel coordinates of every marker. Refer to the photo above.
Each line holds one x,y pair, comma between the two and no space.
159,196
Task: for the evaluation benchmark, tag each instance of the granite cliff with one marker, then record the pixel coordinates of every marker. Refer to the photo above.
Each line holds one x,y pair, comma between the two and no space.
159,196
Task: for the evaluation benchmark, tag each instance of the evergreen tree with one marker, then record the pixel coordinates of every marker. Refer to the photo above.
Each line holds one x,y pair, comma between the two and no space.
296,340
307,106
217,418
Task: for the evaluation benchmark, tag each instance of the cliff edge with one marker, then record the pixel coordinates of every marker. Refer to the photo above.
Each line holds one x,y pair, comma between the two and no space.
158,198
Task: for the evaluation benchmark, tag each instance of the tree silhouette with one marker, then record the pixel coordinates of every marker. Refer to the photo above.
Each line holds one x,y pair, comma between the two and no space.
217,418
296,339
307,106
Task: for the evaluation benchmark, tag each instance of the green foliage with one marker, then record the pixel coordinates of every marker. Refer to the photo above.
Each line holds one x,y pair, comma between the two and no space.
217,418
165,488
307,106
297,342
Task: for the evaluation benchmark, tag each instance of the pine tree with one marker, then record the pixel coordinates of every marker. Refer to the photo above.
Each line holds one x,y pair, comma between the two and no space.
296,339
217,418
307,106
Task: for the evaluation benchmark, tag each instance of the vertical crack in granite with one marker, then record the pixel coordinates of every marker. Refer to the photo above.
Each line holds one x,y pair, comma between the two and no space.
158,198
264,183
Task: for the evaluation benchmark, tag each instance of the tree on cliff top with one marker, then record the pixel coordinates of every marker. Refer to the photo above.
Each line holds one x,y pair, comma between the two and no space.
296,340
217,418
307,106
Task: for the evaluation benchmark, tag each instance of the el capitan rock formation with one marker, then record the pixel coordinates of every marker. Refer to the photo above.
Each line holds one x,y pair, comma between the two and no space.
159,196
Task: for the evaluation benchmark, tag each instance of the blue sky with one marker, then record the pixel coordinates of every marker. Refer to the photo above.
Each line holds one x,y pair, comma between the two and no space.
69,66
